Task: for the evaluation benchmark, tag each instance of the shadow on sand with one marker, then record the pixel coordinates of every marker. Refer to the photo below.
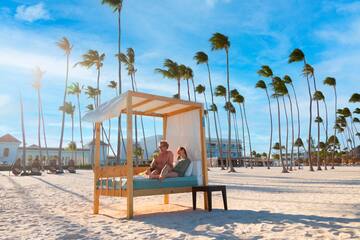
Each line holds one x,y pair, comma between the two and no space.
204,223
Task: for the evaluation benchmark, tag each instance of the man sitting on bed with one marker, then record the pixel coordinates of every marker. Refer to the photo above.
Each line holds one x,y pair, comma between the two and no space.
162,164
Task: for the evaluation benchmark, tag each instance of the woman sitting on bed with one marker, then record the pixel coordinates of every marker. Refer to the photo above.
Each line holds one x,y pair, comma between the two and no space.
179,169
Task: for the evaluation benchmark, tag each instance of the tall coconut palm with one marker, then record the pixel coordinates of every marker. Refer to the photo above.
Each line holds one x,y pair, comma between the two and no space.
202,58
189,75
112,85
238,98
66,46
346,113
171,71
299,143
185,76
319,96
278,86
221,42
75,89
93,58
355,98
129,60
284,92
298,56
330,81
116,5
262,85
287,80
200,89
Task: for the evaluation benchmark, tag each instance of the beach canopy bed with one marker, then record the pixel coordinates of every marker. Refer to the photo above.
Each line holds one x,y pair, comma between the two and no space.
183,125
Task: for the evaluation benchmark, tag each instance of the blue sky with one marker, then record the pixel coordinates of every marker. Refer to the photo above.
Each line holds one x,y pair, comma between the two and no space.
260,32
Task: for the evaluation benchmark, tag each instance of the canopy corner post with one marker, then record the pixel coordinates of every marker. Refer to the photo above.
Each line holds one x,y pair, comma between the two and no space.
203,155
96,168
166,196
129,158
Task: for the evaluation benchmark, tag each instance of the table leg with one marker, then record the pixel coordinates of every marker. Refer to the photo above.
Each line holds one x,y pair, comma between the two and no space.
194,199
224,198
209,200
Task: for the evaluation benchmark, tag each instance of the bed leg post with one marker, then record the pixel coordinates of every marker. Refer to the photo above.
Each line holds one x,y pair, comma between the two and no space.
166,199
96,202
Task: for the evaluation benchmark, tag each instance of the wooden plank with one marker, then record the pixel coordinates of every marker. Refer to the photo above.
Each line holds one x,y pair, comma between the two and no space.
144,114
96,164
153,110
166,196
129,159
117,171
166,99
187,109
141,103
160,191
203,156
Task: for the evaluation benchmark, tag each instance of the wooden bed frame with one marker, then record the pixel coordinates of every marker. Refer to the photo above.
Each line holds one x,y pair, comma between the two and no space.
128,170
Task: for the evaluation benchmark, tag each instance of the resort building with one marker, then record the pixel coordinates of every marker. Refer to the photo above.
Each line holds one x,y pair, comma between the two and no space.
10,150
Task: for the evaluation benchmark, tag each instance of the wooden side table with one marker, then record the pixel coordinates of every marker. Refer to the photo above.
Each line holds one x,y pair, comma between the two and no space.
209,189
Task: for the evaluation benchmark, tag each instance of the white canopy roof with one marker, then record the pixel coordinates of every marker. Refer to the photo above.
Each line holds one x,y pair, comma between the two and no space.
142,104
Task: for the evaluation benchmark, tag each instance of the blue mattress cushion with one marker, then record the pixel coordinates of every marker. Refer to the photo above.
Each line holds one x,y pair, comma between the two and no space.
146,183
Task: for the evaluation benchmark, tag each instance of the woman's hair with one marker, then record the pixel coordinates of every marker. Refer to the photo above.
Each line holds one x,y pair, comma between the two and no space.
181,148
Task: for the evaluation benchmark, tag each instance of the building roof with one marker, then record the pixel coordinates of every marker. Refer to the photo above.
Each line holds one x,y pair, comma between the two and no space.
9,138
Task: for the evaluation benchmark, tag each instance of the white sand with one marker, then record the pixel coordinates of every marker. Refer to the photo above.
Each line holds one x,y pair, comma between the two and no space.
263,205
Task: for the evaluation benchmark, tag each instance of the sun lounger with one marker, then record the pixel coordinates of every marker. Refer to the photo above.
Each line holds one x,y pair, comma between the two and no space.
71,167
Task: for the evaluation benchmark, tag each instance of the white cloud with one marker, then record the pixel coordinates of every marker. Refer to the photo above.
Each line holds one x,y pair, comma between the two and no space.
32,13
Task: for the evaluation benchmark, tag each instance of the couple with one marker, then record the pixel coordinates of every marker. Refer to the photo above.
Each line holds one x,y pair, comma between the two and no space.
162,166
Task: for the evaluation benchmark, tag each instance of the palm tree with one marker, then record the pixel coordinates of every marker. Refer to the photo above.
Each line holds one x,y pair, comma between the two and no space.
93,58
75,89
200,89
262,85
355,98
66,46
287,80
172,71
241,100
284,92
319,96
221,42
278,85
116,5
189,75
129,60
299,143
202,58
296,56
330,81
346,113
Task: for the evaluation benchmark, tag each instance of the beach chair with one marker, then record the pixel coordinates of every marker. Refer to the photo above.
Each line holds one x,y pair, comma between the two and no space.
16,167
35,168
71,166
52,167
183,125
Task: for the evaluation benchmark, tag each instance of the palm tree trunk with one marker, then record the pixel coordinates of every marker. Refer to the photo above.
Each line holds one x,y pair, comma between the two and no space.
237,137
215,121
318,163
310,121
44,132
271,130
39,127
326,136
178,86
119,133
287,135
188,88
81,134
334,147
63,115
229,117
292,134
208,126
298,121
243,134
23,160
249,137
279,128
193,84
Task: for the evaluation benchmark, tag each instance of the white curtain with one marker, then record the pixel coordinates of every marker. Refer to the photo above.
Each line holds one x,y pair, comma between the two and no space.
184,130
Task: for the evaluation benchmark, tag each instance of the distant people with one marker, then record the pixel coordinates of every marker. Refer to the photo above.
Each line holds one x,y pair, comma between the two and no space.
162,164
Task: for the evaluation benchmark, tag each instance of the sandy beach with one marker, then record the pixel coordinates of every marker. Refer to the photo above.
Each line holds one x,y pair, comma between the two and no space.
263,204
